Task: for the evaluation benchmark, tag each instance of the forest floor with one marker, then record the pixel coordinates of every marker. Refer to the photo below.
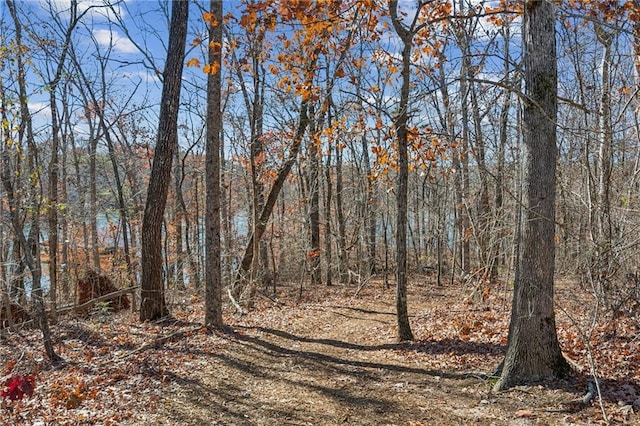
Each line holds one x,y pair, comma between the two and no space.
326,358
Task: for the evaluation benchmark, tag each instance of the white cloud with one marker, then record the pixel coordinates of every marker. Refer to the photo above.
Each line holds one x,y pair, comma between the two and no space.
41,109
146,76
95,9
81,129
120,44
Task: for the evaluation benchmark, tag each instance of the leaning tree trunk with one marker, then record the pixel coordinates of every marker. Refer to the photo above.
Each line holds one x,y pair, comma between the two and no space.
152,305
533,351
260,224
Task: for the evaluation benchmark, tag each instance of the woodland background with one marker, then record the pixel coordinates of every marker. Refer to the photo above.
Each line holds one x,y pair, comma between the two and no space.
80,103
464,184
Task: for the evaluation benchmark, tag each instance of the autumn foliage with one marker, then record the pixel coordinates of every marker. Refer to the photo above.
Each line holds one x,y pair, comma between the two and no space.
15,387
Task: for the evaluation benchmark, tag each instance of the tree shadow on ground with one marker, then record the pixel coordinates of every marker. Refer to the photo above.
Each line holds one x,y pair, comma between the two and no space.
364,311
576,383
443,346
332,359
456,346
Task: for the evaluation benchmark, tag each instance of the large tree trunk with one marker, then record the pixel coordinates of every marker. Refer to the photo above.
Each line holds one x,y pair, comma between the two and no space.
152,305
533,351
213,299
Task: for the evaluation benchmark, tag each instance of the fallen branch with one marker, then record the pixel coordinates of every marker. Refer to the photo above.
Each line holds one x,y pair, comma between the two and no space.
97,300
362,285
235,303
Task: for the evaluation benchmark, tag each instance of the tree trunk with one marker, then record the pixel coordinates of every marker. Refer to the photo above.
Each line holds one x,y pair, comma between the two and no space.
30,246
93,199
313,182
98,109
370,209
343,264
401,121
179,215
213,298
533,351
254,104
64,223
261,224
328,232
53,162
152,305
498,256
604,268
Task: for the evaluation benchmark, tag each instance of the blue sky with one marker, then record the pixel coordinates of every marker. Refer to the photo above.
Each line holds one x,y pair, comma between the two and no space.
134,32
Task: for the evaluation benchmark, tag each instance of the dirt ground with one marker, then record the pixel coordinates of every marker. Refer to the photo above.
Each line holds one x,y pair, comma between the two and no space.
330,358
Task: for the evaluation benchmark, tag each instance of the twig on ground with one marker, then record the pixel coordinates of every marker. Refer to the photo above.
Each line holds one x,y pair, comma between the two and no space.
235,303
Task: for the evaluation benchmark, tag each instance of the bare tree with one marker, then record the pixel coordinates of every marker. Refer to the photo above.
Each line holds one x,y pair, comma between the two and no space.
30,246
406,36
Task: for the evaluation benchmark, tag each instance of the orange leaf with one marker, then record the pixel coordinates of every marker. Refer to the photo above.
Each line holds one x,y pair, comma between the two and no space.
193,62
211,68
210,18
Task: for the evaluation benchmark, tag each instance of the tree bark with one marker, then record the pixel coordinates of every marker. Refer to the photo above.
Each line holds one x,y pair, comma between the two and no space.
313,183
401,121
533,351
152,305
213,289
328,199
343,263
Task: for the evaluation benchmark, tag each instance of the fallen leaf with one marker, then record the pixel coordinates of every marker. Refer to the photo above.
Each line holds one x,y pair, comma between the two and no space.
526,414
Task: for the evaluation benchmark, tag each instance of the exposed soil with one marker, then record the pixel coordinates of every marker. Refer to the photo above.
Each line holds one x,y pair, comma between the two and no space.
328,359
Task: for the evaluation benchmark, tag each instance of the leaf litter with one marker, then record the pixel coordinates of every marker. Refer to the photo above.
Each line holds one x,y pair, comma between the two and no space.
321,359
